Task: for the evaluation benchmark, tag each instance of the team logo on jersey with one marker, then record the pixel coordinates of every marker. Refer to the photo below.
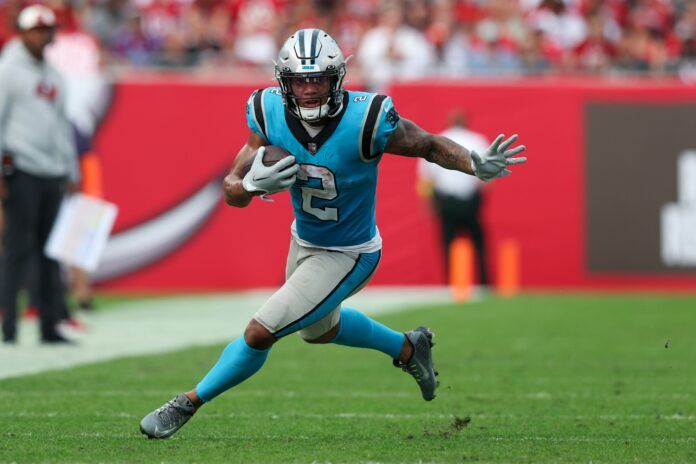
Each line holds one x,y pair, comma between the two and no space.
392,116
47,91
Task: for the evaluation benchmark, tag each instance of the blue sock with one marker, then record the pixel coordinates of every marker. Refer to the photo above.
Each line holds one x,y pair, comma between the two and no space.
237,363
360,331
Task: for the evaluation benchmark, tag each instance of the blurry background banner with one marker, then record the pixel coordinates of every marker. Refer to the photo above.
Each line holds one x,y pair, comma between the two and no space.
645,222
595,165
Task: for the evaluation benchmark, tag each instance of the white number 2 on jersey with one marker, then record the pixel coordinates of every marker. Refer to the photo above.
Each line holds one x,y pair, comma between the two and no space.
327,191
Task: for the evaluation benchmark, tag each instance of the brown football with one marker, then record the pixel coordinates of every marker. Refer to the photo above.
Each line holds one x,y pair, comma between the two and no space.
272,154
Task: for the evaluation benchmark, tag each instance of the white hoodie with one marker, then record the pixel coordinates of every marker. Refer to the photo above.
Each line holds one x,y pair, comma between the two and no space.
33,124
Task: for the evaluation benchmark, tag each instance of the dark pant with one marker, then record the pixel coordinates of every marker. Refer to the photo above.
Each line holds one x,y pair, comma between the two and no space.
457,215
62,312
30,210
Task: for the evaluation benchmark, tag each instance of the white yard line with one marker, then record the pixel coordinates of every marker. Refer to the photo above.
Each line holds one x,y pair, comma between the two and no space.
166,324
361,415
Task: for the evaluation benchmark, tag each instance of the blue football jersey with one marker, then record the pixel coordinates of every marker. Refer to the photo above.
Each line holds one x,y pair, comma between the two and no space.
334,195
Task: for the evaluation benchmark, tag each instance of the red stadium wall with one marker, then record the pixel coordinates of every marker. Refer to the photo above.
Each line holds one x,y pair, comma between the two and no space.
164,139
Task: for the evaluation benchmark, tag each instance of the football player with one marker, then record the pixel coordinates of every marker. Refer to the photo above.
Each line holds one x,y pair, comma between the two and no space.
336,138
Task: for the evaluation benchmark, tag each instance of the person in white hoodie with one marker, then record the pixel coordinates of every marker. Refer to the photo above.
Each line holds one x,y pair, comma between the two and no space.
39,164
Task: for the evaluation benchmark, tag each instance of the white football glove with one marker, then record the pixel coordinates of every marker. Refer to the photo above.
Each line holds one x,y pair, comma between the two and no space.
270,179
496,159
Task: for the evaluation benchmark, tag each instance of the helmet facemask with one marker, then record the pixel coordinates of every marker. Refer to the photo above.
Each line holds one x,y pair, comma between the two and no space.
307,55
330,102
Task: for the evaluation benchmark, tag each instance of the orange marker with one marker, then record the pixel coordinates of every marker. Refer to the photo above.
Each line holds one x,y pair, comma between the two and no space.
461,269
91,175
509,268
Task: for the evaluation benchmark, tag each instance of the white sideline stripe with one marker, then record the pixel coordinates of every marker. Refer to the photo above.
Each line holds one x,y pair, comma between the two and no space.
161,325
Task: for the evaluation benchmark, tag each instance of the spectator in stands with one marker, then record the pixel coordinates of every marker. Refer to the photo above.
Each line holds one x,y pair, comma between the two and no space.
133,46
110,21
393,49
416,14
441,28
686,32
413,38
256,26
491,46
504,18
8,12
208,29
349,21
492,51
36,136
537,54
563,27
644,47
302,14
611,13
596,53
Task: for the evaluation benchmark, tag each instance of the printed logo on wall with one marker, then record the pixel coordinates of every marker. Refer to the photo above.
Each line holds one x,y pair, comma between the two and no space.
679,219
641,188
145,243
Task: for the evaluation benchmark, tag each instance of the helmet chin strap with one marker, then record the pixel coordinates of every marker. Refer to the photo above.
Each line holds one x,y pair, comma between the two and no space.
317,113
314,114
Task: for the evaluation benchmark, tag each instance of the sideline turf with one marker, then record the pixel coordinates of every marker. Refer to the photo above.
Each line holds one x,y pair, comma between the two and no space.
535,379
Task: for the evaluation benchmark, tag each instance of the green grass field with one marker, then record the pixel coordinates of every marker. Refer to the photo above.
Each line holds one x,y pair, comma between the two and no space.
533,379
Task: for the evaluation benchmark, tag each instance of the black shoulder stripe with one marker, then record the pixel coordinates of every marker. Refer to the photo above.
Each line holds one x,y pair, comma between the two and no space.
370,125
258,112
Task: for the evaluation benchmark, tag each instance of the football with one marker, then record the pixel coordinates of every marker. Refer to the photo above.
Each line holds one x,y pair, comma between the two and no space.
272,154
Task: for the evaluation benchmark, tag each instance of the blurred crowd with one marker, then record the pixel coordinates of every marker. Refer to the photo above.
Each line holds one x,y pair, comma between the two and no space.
392,39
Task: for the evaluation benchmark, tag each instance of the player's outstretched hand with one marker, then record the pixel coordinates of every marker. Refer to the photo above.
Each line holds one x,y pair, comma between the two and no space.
494,162
270,179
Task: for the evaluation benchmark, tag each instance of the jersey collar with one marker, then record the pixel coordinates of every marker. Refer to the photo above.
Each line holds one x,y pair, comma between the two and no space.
313,144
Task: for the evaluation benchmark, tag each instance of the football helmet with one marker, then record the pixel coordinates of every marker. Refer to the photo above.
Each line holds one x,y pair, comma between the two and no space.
311,54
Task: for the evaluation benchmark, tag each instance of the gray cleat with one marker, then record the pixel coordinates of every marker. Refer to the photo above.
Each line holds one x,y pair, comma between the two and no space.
421,365
164,421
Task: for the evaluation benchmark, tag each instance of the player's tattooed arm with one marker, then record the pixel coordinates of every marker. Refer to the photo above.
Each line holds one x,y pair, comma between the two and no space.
235,195
410,140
